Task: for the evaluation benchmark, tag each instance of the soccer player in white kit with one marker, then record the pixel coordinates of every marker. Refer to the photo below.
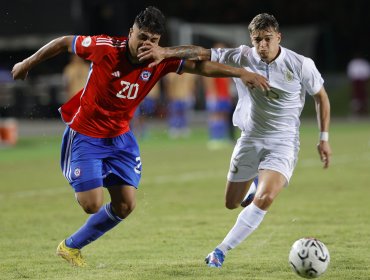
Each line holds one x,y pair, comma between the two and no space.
269,121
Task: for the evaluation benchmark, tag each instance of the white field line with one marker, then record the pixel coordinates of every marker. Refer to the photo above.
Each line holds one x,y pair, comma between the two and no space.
157,180
188,176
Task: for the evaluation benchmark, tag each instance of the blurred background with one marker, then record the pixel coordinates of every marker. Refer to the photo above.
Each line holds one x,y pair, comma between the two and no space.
333,34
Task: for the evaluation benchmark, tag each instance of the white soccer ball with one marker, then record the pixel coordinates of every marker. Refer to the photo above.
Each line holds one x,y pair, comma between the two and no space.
309,257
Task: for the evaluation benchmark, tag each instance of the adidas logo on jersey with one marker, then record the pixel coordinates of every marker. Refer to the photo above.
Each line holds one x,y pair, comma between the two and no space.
116,74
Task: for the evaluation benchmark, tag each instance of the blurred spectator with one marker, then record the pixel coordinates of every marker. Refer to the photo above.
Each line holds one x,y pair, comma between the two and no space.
5,76
8,126
358,72
8,132
219,104
180,90
145,110
75,75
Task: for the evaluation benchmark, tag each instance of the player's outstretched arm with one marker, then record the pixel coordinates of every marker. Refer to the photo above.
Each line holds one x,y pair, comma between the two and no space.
214,69
51,49
157,53
323,117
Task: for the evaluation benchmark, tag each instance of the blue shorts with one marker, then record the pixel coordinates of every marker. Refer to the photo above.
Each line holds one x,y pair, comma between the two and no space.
88,162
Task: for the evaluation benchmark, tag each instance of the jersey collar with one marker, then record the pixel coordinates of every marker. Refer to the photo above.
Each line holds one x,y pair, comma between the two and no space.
276,61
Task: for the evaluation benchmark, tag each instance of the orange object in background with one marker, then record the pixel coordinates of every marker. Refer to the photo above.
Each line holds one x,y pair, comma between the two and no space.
8,131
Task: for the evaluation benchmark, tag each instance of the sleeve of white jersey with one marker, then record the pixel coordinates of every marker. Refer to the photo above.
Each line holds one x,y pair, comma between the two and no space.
311,77
229,56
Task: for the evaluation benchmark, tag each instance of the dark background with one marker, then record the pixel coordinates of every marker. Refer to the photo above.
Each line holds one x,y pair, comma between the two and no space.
342,29
344,25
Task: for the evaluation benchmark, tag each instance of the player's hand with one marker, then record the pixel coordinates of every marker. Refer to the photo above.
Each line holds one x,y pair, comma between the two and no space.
325,152
151,51
253,80
20,70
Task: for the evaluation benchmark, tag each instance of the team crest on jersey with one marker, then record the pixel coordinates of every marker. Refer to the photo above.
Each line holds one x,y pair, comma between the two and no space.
77,172
145,75
288,76
86,42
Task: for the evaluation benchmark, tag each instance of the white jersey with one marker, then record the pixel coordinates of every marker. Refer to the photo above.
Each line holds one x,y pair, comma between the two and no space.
273,114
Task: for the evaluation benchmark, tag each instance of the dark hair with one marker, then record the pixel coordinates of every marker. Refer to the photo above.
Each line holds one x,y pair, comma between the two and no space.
151,19
263,22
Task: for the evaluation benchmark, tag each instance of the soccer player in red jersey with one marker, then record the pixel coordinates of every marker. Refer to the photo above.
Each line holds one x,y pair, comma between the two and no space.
98,148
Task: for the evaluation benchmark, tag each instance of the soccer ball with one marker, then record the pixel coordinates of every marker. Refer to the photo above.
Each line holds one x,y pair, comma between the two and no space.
309,257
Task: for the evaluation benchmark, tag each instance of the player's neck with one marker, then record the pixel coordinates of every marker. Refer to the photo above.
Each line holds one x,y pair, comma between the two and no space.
268,60
132,59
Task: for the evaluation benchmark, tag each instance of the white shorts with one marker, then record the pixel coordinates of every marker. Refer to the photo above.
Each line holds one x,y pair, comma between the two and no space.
251,155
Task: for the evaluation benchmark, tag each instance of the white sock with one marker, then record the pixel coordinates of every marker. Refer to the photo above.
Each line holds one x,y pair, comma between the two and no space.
248,220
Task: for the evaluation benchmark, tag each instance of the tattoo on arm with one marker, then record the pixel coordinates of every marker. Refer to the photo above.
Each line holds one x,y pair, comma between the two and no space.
191,52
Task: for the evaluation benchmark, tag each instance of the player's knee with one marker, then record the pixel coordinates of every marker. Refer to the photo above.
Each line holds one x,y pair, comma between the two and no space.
91,207
231,204
263,201
90,201
122,210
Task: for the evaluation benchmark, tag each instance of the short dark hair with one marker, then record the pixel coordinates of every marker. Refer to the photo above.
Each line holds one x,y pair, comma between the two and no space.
151,19
263,22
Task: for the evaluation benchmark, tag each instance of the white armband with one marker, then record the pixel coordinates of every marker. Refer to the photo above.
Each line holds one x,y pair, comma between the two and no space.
324,136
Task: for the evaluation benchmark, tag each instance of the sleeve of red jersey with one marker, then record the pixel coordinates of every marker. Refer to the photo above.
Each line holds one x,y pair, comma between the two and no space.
92,48
172,65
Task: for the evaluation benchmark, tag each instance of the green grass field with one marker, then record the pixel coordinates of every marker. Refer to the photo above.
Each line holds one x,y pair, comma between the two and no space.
180,215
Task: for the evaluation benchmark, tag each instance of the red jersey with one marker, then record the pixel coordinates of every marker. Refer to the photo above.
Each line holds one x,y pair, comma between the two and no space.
114,87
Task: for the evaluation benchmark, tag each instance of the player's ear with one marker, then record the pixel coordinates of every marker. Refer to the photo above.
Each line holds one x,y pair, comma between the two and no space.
279,37
129,34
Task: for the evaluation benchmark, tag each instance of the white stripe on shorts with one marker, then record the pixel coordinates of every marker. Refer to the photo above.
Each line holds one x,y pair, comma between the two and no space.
67,157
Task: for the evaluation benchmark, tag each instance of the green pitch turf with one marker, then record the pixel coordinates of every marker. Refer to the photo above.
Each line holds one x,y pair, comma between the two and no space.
180,215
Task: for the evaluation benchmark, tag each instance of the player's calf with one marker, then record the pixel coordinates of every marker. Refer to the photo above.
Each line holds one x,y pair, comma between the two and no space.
249,197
